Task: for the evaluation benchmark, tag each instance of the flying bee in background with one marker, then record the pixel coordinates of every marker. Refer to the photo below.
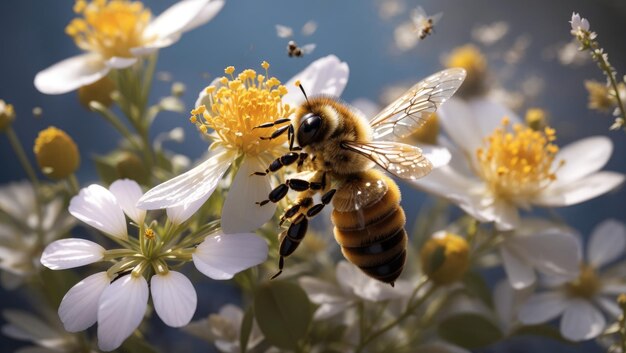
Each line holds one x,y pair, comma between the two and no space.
424,24
339,148
293,49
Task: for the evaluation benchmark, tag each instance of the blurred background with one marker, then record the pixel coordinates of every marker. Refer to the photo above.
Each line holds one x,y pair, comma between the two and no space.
527,58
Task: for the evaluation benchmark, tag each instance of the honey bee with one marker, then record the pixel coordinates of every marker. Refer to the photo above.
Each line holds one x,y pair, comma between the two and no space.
339,148
294,50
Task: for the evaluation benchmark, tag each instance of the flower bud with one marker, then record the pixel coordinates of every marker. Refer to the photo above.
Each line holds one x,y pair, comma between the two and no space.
536,119
445,257
429,132
131,167
7,115
474,62
56,152
99,91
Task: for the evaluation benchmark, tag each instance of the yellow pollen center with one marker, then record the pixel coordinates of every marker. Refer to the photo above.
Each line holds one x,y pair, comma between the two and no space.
586,285
149,233
238,105
109,27
519,163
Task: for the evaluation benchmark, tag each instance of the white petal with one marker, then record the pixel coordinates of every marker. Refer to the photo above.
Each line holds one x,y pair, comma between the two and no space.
189,187
582,158
581,321
363,286
120,63
127,192
121,308
438,156
607,243
614,288
580,190
519,272
542,307
321,292
551,252
79,307
70,74
173,20
448,183
327,75
69,253
98,207
468,123
180,214
506,215
224,255
507,300
174,298
240,213
609,305
328,310
205,15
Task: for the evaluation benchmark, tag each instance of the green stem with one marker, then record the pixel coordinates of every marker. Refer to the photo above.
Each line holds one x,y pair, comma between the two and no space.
408,312
74,185
21,156
114,120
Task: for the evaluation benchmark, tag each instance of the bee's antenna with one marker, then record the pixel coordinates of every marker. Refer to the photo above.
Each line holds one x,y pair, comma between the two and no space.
302,89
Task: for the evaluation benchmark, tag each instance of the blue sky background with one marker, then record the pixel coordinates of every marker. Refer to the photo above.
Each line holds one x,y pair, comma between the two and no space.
243,35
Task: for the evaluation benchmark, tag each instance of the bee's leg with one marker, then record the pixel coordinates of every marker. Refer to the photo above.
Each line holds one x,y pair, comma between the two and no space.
301,204
280,162
278,132
326,198
275,195
277,122
290,239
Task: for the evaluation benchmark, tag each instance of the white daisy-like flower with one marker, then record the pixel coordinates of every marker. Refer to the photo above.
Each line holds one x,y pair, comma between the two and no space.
499,165
115,34
228,112
117,298
579,301
539,245
579,24
353,286
25,231
224,330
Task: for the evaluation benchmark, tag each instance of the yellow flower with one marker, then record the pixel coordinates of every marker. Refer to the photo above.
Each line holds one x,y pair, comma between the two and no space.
56,152
7,115
445,257
474,62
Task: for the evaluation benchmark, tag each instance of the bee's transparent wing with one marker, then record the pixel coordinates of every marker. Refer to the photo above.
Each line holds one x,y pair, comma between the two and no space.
409,112
283,31
308,48
402,160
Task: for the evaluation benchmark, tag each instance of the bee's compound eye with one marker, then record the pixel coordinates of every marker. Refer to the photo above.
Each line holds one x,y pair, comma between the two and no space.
308,129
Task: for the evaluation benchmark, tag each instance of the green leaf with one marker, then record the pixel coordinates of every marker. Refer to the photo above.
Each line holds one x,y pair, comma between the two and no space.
246,328
469,331
476,285
546,331
283,312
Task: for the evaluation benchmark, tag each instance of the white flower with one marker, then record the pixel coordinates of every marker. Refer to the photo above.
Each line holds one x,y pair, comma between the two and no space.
578,300
24,234
578,23
236,140
538,245
491,176
224,329
353,286
43,330
115,34
117,300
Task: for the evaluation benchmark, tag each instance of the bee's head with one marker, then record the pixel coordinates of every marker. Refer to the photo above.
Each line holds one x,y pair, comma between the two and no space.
309,129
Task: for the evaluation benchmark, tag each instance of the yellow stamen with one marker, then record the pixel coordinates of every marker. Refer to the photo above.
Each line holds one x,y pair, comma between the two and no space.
586,285
149,233
109,27
518,164
238,106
